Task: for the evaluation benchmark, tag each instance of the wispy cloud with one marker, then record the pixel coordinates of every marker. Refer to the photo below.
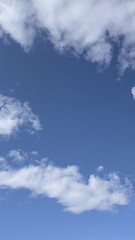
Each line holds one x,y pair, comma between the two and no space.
133,92
68,186
88,27
14,115
3,163
35,153
100,168
17,155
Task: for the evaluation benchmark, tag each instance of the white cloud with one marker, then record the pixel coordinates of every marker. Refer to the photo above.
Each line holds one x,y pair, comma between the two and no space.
16,20
133,92
35,153
85,25
100,168
3,163
17,155
68,187
14,115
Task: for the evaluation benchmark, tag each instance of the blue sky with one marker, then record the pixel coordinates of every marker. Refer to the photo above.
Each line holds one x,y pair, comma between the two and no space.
67,113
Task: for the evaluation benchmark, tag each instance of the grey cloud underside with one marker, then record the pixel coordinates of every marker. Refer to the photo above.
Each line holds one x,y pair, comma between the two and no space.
85,25
67,186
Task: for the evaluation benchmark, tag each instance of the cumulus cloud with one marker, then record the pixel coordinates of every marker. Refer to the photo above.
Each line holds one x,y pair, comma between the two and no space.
68,186
88,27
14,115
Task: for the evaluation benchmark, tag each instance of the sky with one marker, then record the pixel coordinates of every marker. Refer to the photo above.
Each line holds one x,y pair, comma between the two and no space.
67,114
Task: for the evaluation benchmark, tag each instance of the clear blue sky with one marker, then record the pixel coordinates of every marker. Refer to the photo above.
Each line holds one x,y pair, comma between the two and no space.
79,114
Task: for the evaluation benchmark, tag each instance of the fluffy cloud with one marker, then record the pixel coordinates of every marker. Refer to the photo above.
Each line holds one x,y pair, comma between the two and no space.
68,186
14,115
85,26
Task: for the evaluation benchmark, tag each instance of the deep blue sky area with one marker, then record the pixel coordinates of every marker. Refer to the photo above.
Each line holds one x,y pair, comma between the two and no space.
87,115
88,119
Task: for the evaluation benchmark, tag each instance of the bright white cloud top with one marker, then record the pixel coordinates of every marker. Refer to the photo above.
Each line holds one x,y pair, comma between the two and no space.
68,186
87,26
14,115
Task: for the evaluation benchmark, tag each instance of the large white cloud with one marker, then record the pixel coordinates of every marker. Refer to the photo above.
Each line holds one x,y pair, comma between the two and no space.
67,185
87,26
14,115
